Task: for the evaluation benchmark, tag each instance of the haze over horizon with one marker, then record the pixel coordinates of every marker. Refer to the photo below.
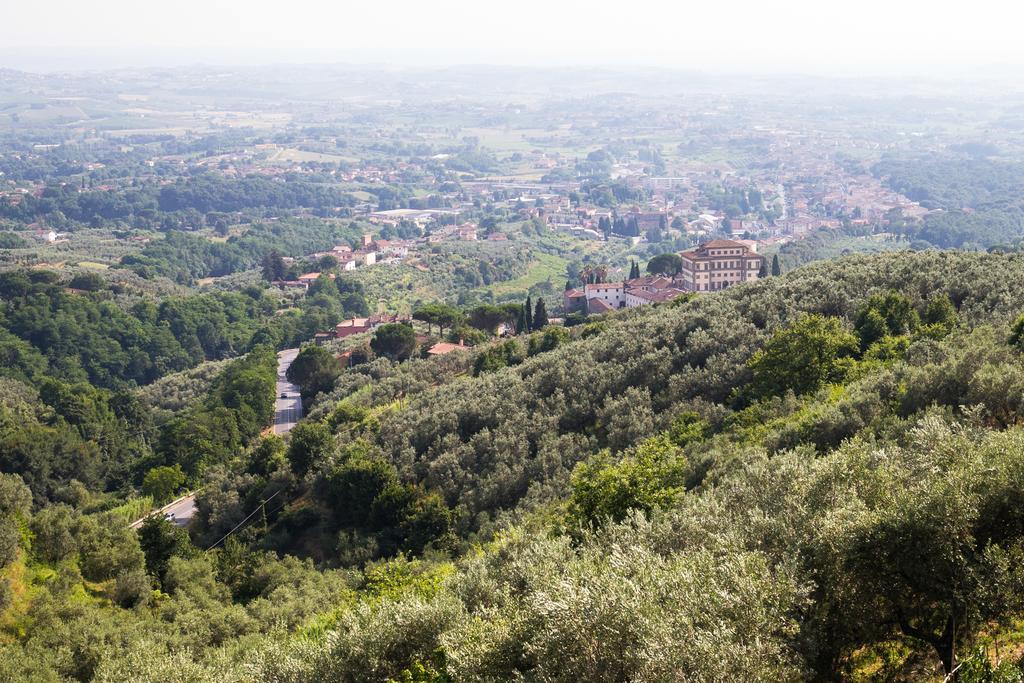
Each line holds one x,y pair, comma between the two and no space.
799,36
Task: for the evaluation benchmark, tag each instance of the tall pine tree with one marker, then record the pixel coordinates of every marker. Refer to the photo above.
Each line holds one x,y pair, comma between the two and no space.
540,316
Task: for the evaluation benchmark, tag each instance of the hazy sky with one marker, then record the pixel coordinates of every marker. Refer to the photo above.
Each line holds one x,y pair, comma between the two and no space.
790,35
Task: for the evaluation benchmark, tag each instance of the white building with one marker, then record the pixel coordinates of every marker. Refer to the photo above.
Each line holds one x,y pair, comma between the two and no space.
611,293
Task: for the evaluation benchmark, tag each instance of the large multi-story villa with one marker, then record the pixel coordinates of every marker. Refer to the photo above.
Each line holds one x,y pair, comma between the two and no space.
711,266
716,265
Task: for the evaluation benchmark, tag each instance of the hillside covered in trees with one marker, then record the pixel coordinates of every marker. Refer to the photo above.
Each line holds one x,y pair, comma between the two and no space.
976,200
185,257
813,476
187,200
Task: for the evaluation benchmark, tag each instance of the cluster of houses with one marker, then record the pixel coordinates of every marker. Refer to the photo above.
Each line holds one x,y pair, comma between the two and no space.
443,224
370,252
805,190
351,326
710,267
349,258
603,297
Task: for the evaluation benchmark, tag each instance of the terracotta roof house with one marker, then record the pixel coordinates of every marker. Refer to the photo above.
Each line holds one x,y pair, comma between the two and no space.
649,282
574,300
351,326
312,277
441,348
643,297
598,306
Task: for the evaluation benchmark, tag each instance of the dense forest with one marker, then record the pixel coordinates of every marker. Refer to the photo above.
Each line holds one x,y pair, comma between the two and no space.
50,328
811,476
977,199
150,205
827,243
185,257
75,353
74,439
955,182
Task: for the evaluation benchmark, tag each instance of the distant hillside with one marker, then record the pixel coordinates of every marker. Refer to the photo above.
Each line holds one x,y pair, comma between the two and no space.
721,422
816,476
977,200
486,442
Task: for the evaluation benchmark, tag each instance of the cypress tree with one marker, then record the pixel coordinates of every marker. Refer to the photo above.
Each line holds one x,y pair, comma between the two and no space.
633,227
763,270
540,316
522,324
776,268
528,313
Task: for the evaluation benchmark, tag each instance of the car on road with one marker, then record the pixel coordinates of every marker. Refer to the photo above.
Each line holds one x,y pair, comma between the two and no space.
284,395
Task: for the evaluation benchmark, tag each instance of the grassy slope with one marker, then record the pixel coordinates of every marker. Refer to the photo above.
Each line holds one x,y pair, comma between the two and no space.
545,267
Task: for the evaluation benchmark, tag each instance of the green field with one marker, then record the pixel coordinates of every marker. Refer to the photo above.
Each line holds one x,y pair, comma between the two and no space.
545,267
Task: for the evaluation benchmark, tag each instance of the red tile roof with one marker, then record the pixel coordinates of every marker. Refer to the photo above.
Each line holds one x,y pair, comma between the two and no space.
441,348
659,296
722,244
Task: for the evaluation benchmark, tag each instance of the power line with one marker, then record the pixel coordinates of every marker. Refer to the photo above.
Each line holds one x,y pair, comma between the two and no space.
261,505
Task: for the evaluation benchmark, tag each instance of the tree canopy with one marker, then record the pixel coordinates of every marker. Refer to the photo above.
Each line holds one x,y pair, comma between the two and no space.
395,341
665,264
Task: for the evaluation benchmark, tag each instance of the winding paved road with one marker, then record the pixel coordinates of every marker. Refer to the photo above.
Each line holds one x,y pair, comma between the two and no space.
287,411
288,406
179,512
